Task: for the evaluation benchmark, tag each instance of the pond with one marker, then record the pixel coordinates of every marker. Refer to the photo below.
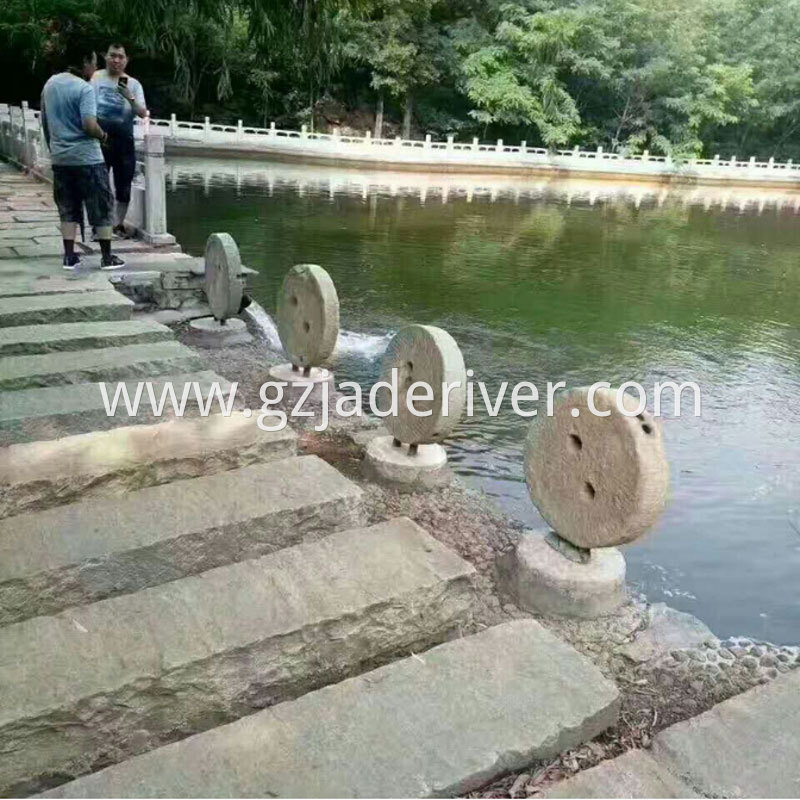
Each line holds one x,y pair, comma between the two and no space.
570,281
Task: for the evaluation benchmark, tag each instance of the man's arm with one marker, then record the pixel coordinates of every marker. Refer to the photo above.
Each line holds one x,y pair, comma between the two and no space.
43,121
135,98
89,115
93,129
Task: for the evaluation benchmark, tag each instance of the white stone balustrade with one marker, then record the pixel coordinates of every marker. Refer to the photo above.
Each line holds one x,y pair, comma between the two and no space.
210,138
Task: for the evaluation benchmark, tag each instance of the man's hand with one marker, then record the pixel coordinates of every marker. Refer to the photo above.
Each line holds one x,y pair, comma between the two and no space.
126,93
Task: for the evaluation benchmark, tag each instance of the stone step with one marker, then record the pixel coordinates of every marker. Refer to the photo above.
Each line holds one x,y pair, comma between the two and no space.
23,286
37,339
51,308
440,724
55,411
748,746
39,475
83,552
146,360
100,683
634,774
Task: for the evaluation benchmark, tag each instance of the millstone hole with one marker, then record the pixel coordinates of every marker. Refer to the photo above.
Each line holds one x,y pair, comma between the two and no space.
575,442
647,428
294,299
589,490
306,327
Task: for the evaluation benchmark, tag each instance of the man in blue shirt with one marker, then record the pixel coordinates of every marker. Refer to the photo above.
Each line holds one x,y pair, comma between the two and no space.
69,120
120,98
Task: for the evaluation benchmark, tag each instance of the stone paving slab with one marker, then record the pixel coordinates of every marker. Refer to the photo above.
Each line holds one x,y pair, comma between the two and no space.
39,475
35,250
65,283
634,774
30,267
56,411
748,746
35,339
145,360
43,309
100,547
106,681
28,229
440,724
31,216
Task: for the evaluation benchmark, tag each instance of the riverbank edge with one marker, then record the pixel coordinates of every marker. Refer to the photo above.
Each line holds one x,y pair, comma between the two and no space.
665,674
678,177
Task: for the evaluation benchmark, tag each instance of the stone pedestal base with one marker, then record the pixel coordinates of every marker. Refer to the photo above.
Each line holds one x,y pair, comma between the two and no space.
399,468
207,332
542,580
298,382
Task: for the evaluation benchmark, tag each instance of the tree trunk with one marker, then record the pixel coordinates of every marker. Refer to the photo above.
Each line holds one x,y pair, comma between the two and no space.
407,116
378,132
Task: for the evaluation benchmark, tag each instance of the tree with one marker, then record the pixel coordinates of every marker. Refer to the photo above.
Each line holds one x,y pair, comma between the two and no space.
399,43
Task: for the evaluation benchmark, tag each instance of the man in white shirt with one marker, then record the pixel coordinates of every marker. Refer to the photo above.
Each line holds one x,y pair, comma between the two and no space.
120,98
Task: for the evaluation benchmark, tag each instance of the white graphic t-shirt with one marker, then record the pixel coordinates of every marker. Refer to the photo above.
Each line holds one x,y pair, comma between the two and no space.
114,113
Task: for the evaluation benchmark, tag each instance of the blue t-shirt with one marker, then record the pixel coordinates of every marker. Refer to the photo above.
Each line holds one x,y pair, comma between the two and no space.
114,112
67,101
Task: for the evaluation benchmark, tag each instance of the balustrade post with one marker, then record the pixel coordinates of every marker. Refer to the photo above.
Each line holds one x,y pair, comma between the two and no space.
716,159
646,155
576,151
733,161
427,140
523,146
272,129
24,156
155,192
397,141
499,146
752,163
304,131
599,150
239,130
368,137
173,125
474,142
771,163
450,141
207,129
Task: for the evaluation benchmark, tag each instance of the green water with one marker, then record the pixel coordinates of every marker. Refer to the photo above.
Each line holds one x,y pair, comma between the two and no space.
537,283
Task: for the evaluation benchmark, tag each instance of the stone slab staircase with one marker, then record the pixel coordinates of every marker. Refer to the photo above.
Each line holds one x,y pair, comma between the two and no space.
189,608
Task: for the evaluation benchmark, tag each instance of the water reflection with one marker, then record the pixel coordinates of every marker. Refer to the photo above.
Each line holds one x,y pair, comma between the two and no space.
576,281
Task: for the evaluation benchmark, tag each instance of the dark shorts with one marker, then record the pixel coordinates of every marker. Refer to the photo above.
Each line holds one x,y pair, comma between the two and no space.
120,156
75,187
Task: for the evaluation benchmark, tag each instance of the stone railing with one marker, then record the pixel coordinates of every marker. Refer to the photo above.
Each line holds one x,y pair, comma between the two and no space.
452,155
22,142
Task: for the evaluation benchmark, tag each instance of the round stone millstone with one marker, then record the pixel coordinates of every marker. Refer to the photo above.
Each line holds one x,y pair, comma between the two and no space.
428,354
223,275
308,315
598,481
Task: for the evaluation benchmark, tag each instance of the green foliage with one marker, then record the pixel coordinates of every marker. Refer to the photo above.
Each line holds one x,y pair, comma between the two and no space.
679,77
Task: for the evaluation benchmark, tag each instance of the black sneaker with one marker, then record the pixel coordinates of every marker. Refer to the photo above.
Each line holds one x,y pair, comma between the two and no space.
112,262
70,262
